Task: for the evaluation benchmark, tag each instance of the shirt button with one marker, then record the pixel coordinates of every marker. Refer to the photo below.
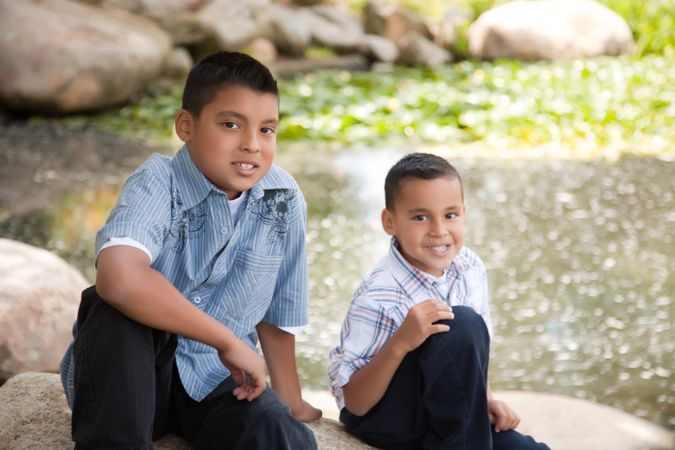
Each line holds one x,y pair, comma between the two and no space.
197,300
223,230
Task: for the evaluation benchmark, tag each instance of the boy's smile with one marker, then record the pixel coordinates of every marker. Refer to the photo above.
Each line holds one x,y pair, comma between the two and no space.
428,222
233,141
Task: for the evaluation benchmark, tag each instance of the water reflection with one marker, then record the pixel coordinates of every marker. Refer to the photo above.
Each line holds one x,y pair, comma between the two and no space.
579,257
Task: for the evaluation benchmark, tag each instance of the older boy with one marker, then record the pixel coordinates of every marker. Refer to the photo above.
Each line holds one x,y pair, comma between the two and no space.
411,367
203,254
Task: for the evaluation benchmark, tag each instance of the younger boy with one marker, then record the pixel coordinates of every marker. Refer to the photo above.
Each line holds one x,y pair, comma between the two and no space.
411,368
203,254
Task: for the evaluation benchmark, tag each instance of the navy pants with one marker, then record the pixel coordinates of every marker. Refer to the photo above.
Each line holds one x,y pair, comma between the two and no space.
437,398
128,393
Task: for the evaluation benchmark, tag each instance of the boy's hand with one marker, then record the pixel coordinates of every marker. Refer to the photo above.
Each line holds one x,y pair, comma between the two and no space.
502,416
419,324
247,368
307,413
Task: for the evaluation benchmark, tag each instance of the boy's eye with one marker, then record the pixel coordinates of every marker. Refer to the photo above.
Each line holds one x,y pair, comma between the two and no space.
268,130
452,215
419,218
231,125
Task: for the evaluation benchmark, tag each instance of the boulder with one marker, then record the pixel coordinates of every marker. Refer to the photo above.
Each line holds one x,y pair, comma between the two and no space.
378,48
176,69
39,298
562,422
60,56
262,49
152,7
35,415
549,29
234,22
333,27
286,28
416,50
392,21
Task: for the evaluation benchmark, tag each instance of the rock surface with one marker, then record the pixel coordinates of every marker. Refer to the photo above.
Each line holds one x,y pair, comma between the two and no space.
60,56
563,423
549,29
416,50
39,297
392,21
35,415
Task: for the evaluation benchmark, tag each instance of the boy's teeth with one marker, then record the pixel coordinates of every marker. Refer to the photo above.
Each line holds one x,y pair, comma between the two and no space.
245,166
439,248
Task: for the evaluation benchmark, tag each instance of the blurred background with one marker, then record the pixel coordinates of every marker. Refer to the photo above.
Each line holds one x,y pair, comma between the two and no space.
560,116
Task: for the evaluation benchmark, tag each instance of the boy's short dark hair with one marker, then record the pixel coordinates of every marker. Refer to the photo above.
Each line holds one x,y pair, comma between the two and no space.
416,165
222,69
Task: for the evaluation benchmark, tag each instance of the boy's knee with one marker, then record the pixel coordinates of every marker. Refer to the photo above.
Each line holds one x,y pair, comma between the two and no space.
467,328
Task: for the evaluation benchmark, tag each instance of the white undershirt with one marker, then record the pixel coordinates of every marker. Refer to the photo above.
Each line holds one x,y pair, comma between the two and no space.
235,207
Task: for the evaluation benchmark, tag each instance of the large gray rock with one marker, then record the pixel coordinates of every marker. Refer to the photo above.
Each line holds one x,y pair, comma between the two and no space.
392,21
378,48
234,22
61,56
39,297
333,27
286,28
416,50
549,29
35,415
563,423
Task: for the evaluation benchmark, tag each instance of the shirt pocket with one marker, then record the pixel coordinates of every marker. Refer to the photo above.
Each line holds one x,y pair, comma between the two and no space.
253,278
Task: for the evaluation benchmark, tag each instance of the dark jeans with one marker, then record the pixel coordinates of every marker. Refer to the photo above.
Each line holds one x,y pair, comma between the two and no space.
128,393
437,398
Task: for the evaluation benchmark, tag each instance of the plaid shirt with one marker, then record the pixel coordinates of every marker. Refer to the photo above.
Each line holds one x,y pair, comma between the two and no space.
383,300
239,273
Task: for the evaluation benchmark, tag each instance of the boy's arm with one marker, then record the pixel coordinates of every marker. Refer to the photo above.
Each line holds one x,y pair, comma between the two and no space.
279,349
368,384
502,417
125,280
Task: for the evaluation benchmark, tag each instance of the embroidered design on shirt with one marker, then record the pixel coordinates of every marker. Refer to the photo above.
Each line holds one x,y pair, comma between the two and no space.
273,210
186,222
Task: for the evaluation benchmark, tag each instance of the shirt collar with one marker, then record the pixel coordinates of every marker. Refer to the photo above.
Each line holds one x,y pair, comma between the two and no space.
418,283
194,186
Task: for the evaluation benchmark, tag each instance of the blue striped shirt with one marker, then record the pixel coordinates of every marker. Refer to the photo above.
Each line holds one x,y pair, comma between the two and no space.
382,301
240,273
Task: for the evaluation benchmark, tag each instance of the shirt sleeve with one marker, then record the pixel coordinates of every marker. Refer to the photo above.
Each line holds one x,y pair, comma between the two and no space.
115,241
365,330
288,309
142,213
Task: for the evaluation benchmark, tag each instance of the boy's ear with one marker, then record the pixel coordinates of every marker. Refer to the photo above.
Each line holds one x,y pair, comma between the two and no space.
184,124
388,222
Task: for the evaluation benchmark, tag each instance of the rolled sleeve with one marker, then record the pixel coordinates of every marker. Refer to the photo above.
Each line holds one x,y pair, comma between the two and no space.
288,309
142,213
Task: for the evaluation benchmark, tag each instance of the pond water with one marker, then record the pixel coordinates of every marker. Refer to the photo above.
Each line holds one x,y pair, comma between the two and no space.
579,253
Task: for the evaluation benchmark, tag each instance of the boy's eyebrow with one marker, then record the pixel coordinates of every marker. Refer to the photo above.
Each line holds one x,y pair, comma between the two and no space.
243,118
423,210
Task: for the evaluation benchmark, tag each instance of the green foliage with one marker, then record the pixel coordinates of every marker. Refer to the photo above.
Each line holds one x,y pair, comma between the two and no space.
587,103
590,104
652,23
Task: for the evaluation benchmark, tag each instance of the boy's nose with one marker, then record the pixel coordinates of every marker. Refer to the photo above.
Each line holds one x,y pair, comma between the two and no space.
437,228
250,143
